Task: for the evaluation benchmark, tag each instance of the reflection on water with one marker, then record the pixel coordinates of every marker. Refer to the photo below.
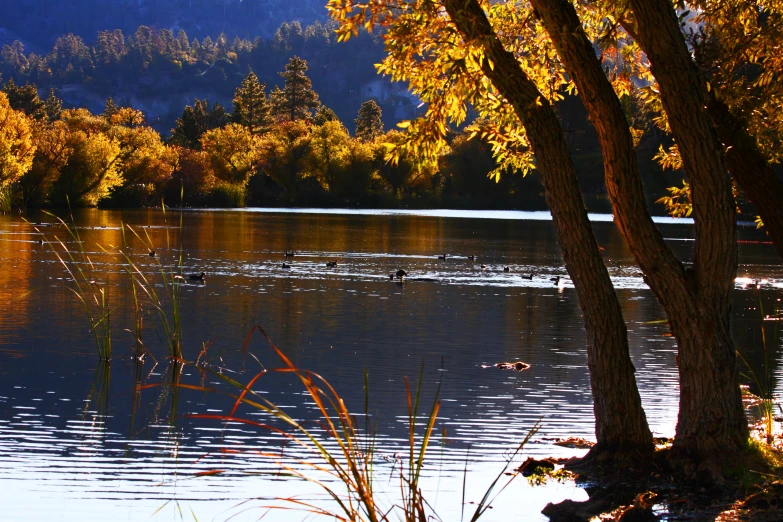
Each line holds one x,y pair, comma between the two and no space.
89,441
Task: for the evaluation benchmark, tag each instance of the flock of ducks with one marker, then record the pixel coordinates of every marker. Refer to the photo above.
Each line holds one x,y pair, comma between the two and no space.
558,281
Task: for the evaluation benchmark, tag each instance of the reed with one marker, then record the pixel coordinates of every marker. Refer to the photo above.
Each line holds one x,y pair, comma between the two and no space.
92,293
339,455
166,305
765,400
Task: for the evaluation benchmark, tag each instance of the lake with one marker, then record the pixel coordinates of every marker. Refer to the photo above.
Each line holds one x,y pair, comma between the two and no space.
83,441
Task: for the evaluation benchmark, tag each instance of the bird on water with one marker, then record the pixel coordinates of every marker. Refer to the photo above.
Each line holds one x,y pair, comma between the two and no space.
506,269
401,274
331,264
472,258
285,266
197,277
152,253
529,277
443,257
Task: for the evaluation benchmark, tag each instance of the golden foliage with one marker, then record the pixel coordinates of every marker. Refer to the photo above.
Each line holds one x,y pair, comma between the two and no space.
446,73
16,144
232,152
678,202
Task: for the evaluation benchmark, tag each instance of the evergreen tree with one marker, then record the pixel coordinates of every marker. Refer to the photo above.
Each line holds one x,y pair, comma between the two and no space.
110,109
24,99
251,107
297,99
53,106
369,124
324,115
195,121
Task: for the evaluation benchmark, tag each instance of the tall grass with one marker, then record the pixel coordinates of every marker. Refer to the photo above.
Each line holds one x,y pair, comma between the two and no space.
91,292
339,456
166,305
765,400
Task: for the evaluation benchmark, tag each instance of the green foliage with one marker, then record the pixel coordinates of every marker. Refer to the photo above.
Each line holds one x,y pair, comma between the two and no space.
323,115
53,106
251,107
297,100
369,122
110,108
195,121
25,99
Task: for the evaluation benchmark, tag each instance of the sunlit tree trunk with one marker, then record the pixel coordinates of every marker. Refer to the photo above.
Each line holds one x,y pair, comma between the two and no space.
711,421
620,421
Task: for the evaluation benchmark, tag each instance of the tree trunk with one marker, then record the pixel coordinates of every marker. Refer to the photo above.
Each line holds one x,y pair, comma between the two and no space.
620,421
711,422
750,168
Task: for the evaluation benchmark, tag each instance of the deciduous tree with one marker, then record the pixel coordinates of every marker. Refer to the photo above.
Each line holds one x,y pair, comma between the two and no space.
232,152
454,60
16,143
283,155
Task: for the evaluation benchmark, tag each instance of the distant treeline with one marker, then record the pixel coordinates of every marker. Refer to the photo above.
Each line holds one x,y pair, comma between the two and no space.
278,147
41,21
161,64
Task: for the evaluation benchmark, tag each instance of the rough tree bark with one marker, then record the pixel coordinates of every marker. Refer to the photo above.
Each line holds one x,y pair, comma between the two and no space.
750,168
711,421
621,425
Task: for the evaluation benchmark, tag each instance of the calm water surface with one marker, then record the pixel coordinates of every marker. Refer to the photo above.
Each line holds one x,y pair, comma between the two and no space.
84,442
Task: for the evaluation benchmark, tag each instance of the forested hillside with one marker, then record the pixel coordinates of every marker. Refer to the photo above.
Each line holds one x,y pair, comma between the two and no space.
159,71
40,22
177,75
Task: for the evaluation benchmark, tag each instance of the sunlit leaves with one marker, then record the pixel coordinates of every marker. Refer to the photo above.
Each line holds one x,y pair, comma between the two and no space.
446,72
16,144
232,152
669,158
678,202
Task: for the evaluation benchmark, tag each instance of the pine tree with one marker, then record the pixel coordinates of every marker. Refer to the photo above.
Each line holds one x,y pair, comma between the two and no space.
24,99
110,109
195,121
297,99
369,124
324,115
251,107
53,106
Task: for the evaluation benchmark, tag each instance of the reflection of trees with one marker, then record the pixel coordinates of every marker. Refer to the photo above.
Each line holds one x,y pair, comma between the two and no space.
16,285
